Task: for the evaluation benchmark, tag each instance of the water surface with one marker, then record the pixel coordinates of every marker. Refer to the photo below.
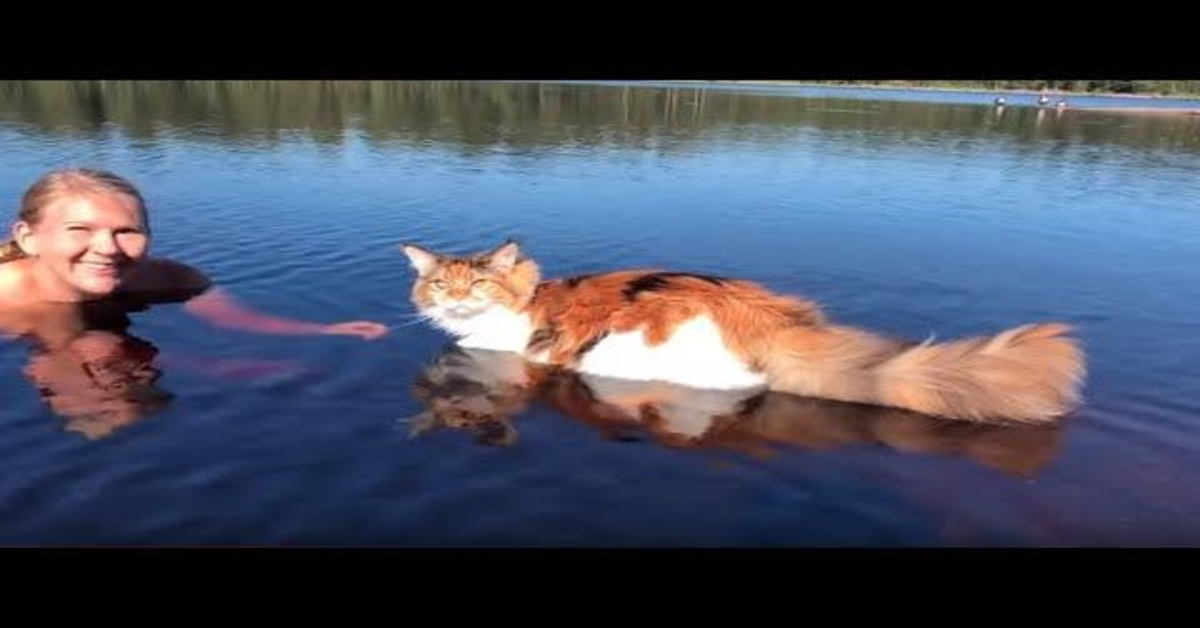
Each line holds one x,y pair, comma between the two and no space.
899,214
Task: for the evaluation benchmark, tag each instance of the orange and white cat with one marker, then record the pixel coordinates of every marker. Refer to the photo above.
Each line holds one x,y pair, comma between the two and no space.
716,333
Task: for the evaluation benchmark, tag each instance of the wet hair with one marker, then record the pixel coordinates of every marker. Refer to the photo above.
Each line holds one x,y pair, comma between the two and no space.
57,184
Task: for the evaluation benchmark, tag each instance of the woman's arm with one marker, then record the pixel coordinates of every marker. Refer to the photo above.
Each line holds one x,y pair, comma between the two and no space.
217,307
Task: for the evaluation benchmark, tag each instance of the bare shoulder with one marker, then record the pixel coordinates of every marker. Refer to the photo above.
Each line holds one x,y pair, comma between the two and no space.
159,276
12,283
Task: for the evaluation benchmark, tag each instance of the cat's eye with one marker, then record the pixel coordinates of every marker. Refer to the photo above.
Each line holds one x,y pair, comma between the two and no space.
479,282
438,284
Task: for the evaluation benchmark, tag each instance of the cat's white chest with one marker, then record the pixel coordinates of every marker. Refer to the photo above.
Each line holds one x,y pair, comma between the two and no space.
497,329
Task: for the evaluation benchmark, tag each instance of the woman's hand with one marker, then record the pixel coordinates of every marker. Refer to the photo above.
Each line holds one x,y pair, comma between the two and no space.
365,329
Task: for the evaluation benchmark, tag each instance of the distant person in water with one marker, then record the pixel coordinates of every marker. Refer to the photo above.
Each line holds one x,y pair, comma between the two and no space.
76,266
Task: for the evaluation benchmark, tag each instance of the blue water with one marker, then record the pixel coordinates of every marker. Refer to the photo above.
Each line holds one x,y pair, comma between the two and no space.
907,217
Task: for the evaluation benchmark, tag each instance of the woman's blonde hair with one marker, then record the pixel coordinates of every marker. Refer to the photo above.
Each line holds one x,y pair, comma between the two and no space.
59,183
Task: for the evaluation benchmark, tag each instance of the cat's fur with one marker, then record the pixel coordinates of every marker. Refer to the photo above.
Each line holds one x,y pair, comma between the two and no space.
717,333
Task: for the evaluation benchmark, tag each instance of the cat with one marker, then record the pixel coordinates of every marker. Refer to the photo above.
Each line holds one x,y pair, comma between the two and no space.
710,332
483,393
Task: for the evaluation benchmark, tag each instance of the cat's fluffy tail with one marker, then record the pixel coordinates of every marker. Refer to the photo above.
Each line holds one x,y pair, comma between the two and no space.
1031,374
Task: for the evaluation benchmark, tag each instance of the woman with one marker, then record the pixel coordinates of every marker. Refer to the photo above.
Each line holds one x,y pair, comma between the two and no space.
82,236
77,265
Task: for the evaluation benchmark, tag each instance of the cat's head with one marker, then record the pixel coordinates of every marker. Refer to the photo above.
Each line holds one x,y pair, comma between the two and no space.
461,287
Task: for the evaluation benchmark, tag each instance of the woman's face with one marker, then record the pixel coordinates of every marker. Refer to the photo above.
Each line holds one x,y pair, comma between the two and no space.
84,245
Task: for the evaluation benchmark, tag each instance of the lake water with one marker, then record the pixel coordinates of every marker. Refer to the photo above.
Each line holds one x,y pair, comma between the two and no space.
910,214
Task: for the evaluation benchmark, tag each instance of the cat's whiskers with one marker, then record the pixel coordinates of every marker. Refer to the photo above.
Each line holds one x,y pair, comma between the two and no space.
416,319
407,324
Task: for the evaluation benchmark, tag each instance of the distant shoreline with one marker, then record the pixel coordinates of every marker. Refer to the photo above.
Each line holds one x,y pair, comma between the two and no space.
1153,110
969,90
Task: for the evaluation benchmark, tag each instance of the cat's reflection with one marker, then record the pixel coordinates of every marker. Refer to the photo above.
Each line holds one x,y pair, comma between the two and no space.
483,392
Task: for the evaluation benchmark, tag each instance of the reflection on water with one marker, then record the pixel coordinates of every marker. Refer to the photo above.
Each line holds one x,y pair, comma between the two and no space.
485,392
523,117
99,382
86,366
91,373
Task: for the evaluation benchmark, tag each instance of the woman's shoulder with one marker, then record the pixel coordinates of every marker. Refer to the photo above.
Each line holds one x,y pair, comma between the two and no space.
13,283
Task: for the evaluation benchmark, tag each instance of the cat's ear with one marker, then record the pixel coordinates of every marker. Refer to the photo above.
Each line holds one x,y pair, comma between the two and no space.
422,260
504,258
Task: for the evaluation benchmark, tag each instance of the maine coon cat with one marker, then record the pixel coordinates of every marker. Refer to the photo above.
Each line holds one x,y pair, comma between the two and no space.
717,333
